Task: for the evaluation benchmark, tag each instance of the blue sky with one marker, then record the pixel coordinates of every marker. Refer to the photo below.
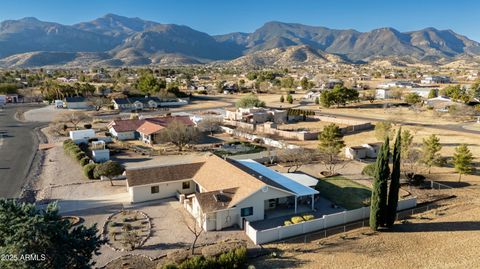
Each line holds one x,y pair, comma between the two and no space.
224,16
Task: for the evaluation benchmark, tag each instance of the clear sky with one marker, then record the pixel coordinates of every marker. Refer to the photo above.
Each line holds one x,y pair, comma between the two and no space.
224,16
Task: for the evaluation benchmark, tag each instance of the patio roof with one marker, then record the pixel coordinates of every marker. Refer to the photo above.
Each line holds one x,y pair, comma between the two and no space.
293,186
303,179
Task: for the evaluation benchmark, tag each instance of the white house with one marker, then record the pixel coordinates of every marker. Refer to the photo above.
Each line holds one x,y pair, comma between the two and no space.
362,152
435,80
125,129
82,136
76,103
221,193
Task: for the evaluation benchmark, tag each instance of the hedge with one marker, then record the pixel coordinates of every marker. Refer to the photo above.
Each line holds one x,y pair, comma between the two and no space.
308,217
232,259
79,156
88,170
84,161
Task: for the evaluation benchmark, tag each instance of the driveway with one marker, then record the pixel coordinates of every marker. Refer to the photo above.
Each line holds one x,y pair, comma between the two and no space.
18,145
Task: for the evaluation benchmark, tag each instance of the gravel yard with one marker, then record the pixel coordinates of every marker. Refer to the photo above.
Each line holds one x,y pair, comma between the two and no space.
446,237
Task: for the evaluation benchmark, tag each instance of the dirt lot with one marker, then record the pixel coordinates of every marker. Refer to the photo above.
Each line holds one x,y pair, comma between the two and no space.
446,237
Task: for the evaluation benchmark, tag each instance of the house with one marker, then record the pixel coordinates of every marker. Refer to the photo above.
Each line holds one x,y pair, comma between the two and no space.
77,102
221,193
147,102
362,152
397,84
330,84
435,80
441,103
257,115
125,129
150,130
82,136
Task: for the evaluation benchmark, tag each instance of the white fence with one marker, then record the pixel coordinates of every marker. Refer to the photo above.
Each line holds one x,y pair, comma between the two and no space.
327,221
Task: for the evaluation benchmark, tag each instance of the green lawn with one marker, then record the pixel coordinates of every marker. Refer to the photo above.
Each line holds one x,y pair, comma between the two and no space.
343,192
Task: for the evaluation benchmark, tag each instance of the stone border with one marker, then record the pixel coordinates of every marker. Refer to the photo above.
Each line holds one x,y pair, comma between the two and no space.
109,218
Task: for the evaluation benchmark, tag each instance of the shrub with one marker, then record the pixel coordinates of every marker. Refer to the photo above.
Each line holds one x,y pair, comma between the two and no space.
88,170
308,217
79,156
297,219
287,223
84,161
369,170
87,126
68,142
74,151
232,259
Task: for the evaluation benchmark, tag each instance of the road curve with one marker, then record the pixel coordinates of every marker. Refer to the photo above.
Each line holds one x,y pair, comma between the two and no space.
17,150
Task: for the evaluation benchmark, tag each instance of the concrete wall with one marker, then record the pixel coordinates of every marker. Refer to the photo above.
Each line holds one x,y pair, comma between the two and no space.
327,221
168,189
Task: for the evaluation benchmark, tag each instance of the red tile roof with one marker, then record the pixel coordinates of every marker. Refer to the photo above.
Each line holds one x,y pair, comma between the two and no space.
126,125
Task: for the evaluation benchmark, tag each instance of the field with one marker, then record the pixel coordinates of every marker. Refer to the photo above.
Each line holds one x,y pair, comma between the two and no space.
343,192
446,237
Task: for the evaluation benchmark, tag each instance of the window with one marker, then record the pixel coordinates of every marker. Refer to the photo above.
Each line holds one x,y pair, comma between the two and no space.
155,189
186,185
247,211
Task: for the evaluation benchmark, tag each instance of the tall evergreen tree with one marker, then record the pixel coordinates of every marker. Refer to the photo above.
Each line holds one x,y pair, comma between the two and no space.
462,161
394,182
378,204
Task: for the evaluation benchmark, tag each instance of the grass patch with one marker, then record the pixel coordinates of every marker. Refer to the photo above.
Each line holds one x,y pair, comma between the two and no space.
343,192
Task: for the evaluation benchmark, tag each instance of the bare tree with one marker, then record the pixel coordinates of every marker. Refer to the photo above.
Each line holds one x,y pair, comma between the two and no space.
74,117
179,134
295,158
195,226
210,124
98,102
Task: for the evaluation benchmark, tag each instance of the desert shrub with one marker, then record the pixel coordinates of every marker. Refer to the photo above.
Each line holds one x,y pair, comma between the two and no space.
369,170
79,155
232,259
308,217
87,126
84,161
68,142
218,249
287,223
88,170
74,151
297,219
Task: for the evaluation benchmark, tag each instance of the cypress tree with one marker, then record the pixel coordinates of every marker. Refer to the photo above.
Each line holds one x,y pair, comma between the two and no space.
378,204
394,182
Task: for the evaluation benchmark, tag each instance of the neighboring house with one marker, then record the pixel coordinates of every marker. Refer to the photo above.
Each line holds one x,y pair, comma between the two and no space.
150,130
362,152
140,103
435,80
257,115
125,129
77,102
221,193
441,103
82,136
330,84
397,84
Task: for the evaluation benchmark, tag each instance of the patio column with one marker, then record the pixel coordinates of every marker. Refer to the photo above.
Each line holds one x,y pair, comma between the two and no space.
313,202
295,204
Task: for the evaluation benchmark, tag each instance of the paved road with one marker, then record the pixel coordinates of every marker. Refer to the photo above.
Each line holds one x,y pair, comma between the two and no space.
450,127
17,148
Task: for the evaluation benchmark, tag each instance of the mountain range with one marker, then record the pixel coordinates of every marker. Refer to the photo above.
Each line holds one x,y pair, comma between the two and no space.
114,40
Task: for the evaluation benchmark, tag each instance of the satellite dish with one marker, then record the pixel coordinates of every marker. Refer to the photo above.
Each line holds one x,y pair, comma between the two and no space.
265,188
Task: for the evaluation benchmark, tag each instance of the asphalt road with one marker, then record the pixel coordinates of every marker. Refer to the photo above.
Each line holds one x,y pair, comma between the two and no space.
17,148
